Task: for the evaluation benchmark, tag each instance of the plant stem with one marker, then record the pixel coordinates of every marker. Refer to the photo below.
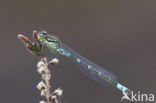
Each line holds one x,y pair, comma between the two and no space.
47,80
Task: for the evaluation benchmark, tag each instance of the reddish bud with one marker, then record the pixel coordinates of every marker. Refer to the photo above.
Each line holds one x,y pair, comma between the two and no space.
29,47
23,38
35,34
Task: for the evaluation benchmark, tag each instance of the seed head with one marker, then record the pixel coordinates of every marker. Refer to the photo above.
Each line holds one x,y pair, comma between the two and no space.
40,64
41,86
43,93
43,102
41,70
58,92
54,61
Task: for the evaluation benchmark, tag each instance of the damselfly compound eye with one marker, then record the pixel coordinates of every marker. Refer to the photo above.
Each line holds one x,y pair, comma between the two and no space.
44,33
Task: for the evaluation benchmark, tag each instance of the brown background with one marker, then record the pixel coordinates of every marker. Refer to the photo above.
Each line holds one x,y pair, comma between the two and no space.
117,34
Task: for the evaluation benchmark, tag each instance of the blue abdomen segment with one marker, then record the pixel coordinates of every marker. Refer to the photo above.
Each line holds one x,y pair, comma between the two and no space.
62,51
122,88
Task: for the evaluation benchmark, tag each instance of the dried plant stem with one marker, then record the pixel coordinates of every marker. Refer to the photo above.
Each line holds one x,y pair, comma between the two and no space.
47,80
44,86
48,91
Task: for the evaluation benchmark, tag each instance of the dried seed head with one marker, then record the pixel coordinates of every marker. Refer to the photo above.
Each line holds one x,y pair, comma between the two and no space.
40,64
46,76
43,93
54,99
43,102
41,86
41,70
54,61
58,92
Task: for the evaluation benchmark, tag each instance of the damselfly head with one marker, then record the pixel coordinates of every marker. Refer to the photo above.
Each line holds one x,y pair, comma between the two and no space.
51,40
42,35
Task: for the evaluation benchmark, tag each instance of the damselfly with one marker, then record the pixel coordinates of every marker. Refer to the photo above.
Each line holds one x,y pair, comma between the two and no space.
92,70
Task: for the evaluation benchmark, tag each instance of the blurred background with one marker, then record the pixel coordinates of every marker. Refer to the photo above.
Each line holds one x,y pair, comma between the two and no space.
117,34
